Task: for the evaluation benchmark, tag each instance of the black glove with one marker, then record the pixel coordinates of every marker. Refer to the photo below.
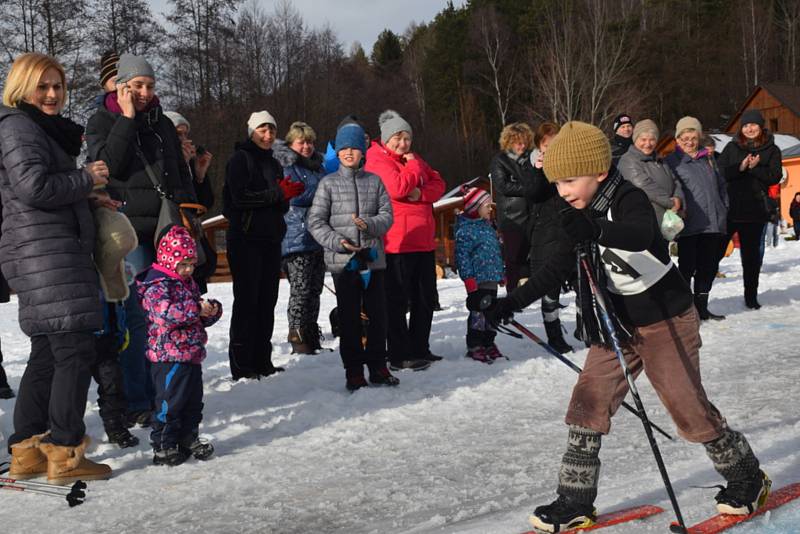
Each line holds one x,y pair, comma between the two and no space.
500,311
579,226
476,302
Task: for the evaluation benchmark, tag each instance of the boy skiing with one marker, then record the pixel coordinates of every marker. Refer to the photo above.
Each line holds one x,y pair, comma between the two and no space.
614,224
480,266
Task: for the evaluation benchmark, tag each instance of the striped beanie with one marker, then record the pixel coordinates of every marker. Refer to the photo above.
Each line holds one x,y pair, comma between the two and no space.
108,66
474,198
579,149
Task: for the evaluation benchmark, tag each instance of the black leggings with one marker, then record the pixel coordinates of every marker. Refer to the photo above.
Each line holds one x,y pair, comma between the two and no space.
698,257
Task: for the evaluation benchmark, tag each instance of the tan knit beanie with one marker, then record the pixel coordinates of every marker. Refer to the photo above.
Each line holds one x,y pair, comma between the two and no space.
688,123
645,126
579,149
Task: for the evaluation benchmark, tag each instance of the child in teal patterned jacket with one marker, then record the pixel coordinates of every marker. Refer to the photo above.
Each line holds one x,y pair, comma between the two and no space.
480,266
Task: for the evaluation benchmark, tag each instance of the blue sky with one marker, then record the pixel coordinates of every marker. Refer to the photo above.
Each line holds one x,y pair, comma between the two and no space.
356,20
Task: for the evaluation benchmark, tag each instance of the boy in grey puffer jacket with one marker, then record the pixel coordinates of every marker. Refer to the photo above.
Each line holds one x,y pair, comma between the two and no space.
350,214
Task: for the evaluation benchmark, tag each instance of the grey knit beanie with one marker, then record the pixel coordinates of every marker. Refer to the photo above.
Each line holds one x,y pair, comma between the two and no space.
645,126
130,66
177,119
391,123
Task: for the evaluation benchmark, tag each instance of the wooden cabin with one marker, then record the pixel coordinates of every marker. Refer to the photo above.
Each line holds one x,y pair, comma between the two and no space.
779,103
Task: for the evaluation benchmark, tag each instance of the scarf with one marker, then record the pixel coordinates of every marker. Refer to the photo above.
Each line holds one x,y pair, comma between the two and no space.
589,321
67,134
314,163
150,114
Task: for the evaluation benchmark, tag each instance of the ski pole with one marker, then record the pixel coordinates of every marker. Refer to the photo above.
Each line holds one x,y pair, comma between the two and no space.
602,309
77,486
536,339
74,497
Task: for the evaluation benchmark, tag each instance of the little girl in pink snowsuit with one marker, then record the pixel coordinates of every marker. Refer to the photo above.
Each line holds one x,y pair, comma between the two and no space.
176,330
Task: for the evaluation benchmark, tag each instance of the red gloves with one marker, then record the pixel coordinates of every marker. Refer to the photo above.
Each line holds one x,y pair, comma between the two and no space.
290,189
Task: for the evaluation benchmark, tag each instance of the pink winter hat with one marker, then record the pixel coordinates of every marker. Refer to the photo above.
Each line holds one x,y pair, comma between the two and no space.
474,198
176,246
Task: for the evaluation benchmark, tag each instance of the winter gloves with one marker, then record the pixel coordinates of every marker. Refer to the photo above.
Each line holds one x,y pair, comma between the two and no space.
579,225
476,302
291,189
500,311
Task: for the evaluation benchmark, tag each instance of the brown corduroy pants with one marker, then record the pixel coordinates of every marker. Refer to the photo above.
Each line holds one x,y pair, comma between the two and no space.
669,353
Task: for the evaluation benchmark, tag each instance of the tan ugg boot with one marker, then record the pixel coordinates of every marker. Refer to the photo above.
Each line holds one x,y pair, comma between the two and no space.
27,461
66,465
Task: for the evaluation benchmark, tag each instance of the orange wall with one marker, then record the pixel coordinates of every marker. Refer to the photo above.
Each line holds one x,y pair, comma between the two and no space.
790,186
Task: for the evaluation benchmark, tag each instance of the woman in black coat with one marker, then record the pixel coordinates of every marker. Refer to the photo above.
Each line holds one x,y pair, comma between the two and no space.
543,201
751,163
46,256
128,129
255,198
510,171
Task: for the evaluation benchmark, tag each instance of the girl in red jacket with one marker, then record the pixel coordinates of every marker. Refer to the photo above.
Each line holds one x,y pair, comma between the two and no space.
413,187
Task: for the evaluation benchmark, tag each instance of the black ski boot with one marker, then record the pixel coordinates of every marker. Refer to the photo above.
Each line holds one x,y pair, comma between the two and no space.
743,497
169,457
701,303
555,336
563,514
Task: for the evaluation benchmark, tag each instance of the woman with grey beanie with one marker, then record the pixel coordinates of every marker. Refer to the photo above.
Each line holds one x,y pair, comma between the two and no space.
413,187
130,132
704,237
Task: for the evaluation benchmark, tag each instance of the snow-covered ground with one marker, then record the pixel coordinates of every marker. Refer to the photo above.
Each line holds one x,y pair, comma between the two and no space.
463,447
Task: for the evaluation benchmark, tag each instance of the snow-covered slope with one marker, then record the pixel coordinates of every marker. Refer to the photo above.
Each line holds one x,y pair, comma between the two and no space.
462,447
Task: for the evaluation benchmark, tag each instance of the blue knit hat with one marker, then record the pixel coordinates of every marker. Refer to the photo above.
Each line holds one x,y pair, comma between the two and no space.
350,135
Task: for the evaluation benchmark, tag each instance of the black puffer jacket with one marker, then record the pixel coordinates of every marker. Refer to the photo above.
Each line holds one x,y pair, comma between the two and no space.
253,202
544,230
747,190
619,145
112,137
509,178
48,231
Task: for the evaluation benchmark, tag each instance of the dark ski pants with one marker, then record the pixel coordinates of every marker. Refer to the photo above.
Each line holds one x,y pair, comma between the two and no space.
107,372
750,243
797,230
410,286
179,403
479,331
306,274
135,367
698,258
350,297
256,270
669,354
516,248
52,393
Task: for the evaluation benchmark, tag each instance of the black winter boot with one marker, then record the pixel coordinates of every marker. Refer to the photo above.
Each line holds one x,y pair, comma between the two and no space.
701,303
355,378
748,486
119,434
380,375
169,457
563,514
751,298
555,336
200,448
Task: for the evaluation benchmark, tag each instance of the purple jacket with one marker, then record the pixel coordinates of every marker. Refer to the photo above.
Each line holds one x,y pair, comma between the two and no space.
175,330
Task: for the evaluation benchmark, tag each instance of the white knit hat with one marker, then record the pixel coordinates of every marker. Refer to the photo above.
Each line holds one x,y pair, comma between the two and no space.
177,119
258,118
